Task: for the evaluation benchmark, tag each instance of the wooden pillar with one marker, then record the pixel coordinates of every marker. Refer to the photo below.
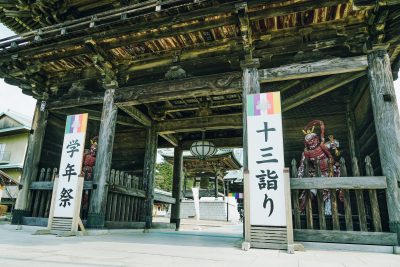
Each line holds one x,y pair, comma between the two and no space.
32,159
177,186
98,201
148,174
387,124
251,85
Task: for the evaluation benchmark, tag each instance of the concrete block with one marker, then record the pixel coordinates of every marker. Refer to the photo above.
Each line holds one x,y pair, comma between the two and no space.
245,246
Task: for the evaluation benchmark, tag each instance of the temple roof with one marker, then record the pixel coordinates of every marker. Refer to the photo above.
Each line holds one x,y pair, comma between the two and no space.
135,43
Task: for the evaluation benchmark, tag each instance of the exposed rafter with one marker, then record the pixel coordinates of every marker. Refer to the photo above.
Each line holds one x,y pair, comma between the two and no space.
320,88
135,113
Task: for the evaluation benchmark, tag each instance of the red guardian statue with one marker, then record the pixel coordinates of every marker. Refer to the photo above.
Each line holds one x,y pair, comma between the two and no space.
316,150
89,160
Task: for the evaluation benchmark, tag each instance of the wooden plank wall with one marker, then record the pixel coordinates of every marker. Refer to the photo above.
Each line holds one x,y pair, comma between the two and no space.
365,136
128,151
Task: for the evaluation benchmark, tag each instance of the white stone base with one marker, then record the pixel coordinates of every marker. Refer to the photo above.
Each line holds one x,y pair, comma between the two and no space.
211,209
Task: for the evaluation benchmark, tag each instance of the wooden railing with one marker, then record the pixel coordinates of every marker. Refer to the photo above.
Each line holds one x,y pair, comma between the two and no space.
125,197
354,212
41,192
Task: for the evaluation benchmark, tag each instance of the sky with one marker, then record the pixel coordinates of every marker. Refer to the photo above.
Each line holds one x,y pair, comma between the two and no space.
12,98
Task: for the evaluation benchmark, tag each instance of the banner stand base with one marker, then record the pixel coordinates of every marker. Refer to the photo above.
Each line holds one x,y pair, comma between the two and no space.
62,233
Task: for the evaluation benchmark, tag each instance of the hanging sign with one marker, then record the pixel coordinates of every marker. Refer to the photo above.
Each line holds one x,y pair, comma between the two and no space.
266,162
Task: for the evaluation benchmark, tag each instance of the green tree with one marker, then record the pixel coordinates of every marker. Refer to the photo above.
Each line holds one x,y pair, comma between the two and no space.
163,179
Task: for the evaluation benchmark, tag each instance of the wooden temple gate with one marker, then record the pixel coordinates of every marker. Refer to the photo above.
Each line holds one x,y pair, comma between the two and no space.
156,73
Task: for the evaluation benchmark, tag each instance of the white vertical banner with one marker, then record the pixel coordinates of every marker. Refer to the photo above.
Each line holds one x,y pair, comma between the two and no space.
266,160
196,202
70,166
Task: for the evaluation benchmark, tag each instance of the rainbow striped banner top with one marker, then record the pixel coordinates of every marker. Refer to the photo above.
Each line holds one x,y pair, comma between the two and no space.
264,104
236,195
76,123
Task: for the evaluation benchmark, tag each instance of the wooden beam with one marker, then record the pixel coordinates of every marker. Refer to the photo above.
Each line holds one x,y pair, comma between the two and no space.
170,139
75,102
231,142
314,69
133,192
48,185
17,13
347,237
218,122
245,29
158,197
218,84
287,85
373,182
96,115
212,105
208,85
135,113
320,88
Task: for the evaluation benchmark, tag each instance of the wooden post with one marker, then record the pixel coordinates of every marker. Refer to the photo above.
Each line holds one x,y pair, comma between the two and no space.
177,186
32,158
362,218
148,174
350,130
387,125
295,198
320,201
373,198
102,169
347,205
251,85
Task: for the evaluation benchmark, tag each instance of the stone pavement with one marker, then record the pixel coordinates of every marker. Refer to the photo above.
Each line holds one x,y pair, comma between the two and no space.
164,248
